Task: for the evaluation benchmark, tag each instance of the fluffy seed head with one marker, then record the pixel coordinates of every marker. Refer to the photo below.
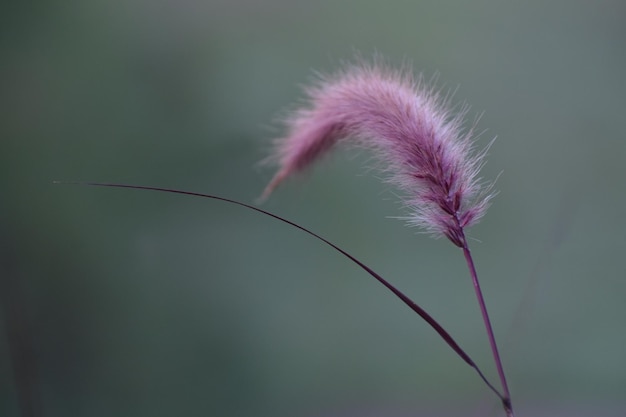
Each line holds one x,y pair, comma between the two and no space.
420,146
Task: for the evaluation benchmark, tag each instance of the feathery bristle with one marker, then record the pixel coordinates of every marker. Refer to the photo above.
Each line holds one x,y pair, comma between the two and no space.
405,123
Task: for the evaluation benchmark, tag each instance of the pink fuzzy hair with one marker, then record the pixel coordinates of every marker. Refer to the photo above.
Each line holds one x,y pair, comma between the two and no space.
408,128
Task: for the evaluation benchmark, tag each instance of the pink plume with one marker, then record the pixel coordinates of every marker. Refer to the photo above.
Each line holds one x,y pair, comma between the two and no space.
422,148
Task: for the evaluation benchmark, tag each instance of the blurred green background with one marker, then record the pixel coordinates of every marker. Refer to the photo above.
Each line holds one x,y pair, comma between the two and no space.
132,303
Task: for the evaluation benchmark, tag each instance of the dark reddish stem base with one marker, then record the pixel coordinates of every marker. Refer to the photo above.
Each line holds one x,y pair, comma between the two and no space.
506,398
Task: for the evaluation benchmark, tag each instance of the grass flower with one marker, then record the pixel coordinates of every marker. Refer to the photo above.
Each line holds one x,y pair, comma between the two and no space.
419,144
422,148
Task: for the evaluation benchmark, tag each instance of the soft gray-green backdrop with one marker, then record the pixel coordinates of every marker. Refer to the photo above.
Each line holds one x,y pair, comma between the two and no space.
128,303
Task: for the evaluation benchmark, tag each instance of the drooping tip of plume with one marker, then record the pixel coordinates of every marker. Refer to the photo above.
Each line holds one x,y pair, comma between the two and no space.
420,146
273,184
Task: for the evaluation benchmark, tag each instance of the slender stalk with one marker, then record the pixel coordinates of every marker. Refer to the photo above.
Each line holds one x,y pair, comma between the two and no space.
405,299
506,398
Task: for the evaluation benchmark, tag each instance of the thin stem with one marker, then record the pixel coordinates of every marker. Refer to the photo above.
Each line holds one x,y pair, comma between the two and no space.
405,299
506,399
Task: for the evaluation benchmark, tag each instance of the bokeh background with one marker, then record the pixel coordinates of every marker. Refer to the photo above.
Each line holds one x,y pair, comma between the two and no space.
130,303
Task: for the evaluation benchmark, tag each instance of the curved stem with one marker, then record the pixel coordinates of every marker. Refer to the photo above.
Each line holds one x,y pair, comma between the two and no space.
405,299
506,399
